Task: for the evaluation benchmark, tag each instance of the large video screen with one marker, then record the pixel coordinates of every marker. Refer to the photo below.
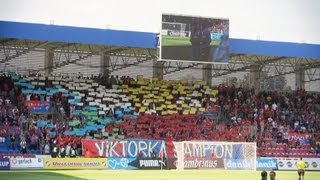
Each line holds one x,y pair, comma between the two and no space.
194,39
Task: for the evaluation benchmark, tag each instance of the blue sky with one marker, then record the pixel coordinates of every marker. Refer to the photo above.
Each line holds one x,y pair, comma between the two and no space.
275,20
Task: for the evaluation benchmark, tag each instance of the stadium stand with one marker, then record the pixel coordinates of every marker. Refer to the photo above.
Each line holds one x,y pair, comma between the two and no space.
40,113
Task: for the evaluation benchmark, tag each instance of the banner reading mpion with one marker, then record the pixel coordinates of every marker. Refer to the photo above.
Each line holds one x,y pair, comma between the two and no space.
75,163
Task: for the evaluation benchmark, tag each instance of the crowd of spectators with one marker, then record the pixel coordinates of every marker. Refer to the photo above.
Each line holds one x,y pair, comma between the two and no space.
274,114
265,118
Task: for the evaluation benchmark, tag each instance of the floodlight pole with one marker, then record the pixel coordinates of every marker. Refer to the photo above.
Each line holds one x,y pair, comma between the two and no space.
207,74
157,69
48,61
105,64
300,77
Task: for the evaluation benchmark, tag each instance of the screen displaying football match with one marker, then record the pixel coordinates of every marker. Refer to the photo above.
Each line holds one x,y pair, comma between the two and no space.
194,39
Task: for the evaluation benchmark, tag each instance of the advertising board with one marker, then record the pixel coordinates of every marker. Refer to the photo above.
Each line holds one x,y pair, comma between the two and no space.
267,164
26,163
75,163
290,163
4,163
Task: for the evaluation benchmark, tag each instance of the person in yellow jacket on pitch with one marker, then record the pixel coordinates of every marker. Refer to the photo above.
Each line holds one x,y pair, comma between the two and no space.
301,166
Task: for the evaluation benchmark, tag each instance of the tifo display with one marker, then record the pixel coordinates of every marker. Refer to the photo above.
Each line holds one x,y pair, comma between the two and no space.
149,124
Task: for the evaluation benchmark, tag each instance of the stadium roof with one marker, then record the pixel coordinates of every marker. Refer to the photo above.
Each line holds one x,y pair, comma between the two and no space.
118,38
67,34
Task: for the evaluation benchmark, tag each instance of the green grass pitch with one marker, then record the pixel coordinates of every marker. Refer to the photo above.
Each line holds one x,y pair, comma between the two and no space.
179,41
148,175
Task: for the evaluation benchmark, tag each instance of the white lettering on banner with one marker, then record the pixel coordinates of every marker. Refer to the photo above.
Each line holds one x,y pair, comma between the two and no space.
4,163
112,149
142,147
187,150
243,164
135,153
151,163
128,148
217,150
26,163
269,164
2,140
151,148
100,148
124,145
108,147
163,149
293,136
200,164
206,148
197,151
203,150
225,151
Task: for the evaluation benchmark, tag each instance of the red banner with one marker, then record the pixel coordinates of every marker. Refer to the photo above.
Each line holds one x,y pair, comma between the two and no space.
38,106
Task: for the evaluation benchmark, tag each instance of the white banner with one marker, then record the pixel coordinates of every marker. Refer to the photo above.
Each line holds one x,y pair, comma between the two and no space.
26,163
290,163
